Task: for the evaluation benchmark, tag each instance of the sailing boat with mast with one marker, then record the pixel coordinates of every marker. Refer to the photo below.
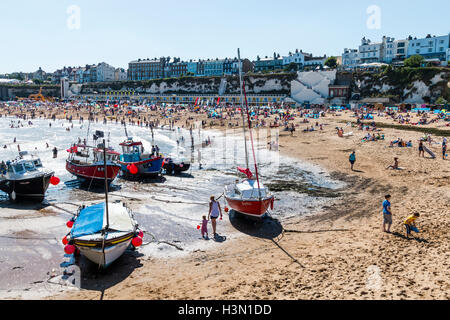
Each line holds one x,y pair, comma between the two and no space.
102,232
249,196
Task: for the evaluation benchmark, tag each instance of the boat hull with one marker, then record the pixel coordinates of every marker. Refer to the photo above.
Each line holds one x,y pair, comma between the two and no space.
112,253
93,172
146,168
253,208
32,188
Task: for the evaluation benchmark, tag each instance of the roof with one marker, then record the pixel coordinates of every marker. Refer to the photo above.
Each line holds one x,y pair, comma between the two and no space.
107,151
131,143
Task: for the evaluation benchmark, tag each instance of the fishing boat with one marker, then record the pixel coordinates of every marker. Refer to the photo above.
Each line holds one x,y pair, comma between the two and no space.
102,232
249,197
86,163
135,162
25,177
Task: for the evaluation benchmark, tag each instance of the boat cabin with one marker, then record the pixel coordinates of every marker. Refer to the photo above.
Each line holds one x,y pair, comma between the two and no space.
130,147
111,156
248,189
81,155
21,167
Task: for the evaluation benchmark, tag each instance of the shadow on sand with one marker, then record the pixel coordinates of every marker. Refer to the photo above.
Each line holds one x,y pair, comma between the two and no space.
399,235
21,204
266,228
95,279
158,179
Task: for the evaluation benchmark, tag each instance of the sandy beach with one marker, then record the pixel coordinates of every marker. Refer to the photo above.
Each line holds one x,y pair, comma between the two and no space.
339,253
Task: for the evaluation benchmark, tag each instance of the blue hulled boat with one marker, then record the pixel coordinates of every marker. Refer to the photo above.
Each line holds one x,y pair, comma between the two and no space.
147,164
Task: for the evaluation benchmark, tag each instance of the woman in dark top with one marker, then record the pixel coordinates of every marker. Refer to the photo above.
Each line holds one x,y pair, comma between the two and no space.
421,149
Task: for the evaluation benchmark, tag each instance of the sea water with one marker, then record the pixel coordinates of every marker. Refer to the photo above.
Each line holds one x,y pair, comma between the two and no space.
168,209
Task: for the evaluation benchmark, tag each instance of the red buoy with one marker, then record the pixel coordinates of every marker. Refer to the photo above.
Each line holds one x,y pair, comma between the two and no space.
69,224
65,241
198,227
140,234
69,249
133,169
55,180
226,209
137,241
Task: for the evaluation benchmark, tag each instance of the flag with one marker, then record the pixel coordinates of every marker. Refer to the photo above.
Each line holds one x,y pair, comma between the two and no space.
247,172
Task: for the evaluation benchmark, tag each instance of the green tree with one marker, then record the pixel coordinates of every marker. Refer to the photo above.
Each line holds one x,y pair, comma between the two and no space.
441,100
414,61
331,62
291,67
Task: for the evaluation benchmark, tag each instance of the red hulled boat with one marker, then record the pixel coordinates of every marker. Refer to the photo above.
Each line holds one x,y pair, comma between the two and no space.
245,197
87,164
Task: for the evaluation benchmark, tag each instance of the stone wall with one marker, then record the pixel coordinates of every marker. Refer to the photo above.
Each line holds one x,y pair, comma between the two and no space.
408,85
255,84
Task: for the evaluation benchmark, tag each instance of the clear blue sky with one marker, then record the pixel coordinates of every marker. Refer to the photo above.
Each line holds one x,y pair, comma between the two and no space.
35,34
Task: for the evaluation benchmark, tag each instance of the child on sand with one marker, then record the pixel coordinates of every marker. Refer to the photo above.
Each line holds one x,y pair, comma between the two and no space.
204,228
395,165
387,214
410,224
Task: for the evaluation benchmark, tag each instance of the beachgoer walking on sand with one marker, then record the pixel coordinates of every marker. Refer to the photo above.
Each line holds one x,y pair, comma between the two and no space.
410,224
395,165
352,159
214,212
55,153
421,149
205,228
444,149
387,214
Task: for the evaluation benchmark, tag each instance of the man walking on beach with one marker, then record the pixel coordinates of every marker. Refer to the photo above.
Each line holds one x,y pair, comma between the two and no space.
387,214
444,149
352,159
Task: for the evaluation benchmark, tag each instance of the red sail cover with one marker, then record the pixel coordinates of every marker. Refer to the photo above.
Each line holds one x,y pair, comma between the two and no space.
247,172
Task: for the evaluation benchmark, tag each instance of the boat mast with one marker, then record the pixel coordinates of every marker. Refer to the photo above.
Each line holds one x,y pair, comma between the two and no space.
251,140
106,185
242,108
125,123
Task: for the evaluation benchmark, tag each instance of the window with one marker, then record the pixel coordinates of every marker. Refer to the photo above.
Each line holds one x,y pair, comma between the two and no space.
29,166
18,168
